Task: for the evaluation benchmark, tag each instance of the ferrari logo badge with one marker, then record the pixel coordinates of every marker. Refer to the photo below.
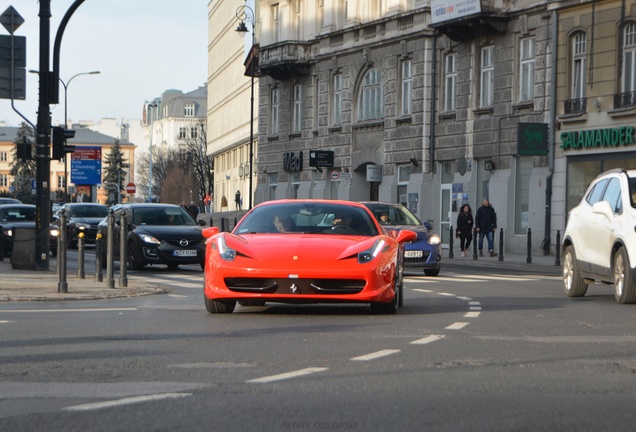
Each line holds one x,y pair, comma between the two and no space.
293,288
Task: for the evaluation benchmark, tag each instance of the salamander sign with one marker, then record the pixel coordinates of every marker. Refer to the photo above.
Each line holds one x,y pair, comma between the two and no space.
593,138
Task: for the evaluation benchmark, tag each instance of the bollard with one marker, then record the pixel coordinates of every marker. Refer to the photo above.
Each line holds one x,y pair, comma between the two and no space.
529,257
123,251
80,256
557,252
450,243
110,279
62,286
223,224
475,233
501,245
99,276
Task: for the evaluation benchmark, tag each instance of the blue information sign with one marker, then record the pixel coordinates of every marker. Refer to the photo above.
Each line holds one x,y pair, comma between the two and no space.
86,166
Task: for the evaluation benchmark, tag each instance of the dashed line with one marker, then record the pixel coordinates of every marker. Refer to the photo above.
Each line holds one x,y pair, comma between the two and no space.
375,355
457,326
427,339
125,401
68,310
472,314
287,375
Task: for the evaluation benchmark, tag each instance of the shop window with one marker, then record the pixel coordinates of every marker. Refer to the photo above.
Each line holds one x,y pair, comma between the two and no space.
273,183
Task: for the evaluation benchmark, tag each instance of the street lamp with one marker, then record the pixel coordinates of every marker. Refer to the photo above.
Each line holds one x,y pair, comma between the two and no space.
152,130
65,85
246,13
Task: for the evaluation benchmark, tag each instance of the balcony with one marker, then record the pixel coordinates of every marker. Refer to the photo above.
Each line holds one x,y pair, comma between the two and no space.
625,100
575,106
488,18
285,60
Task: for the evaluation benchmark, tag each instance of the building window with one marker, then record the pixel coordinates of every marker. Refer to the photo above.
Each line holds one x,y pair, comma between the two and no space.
188,110
487,77
273,183
276,21
404,175
526,70
3,156
450,82
407,87
579,50
629,58
297,4
275,110
183,133
4,180
337,99
60,182
298,108
295,185
370,102
194,133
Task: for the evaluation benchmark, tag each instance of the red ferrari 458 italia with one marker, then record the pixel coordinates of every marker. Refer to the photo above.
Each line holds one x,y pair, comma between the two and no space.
305,251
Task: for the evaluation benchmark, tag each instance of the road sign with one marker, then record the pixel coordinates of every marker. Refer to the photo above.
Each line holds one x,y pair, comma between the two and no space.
131,188
335,175
86,165
11,19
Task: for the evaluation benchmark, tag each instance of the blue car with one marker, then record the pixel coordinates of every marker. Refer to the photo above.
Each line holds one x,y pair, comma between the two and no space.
425,253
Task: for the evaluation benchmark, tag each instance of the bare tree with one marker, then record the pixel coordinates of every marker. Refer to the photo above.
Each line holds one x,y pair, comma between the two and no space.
197,158
179,185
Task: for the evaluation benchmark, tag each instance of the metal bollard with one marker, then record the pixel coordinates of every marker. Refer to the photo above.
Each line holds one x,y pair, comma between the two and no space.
123,251
450,243
475,233
62,286
223,224
557,249
99,245
110,271
529,255
80,256
501,244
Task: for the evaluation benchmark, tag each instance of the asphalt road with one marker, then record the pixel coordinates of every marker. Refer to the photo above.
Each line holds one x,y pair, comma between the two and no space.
473,349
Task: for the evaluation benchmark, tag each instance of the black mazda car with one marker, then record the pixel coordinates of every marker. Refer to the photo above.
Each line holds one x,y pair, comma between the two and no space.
156,234
82,218
20,216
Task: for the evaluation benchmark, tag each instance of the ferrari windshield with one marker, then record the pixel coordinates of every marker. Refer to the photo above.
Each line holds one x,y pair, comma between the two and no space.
308,217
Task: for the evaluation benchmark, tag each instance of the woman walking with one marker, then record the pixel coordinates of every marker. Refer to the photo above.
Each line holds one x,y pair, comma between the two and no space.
465,228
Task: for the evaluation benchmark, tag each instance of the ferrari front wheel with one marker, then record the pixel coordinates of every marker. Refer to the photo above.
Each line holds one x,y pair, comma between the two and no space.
390,307
219,307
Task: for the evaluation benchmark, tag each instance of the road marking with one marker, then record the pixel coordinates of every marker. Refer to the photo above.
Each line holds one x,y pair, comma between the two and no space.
422,290
427,339
125,401
287,375
472,314
69,310
457,326
375,355
475,308
178,295
465,298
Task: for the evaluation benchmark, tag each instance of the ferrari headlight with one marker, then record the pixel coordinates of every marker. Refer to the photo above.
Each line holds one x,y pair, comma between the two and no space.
227,253
368,255
149,239
434,239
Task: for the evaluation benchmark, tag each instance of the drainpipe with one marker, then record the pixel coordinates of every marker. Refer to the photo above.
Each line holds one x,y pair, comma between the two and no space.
431,143
552,138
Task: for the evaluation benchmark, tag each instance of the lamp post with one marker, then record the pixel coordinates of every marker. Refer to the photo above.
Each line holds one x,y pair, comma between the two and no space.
66,84
152,130
246,13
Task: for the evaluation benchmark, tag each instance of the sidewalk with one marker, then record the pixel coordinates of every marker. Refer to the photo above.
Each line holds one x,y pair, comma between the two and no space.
545,263
30,285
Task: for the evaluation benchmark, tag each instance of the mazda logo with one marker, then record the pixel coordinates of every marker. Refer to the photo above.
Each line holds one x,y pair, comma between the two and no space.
183,242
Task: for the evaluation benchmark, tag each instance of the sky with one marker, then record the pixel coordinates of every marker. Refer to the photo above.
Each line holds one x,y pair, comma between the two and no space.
140,47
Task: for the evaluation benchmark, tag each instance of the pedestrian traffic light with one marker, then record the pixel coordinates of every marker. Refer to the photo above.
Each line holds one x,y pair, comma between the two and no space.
24,150
60,148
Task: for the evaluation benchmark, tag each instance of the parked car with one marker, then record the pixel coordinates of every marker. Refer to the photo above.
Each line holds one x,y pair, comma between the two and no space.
282,252
4,200
156,234
599,242
20,216
81,218
425,252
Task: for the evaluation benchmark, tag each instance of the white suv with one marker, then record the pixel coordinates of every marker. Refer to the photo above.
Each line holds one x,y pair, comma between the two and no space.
599,243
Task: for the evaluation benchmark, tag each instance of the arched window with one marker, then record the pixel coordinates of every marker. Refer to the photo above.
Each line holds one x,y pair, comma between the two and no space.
371,100
579,53
629,58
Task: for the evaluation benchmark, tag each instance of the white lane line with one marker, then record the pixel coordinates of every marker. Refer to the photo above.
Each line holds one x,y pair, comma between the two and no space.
457,326
472,314
465,298
475,308
422,290
287,375
506,278
473,303
69,310
125,401
427,339
438,279
446,294
375,355
177,295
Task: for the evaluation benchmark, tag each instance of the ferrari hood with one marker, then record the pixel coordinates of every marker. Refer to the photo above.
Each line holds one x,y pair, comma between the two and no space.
292,247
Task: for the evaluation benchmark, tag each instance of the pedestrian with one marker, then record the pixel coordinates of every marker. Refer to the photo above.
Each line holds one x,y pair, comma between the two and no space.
465,226
193,210
486,225
238,200
206,202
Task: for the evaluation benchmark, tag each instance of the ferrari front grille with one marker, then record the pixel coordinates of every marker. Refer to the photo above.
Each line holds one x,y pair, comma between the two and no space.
295,286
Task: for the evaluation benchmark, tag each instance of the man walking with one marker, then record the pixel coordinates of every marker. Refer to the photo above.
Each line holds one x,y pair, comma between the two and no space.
486,225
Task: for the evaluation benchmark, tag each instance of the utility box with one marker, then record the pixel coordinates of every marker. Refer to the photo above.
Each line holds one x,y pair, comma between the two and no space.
23,253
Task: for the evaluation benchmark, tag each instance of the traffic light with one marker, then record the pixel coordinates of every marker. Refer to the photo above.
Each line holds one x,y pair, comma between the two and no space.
60,148
24,150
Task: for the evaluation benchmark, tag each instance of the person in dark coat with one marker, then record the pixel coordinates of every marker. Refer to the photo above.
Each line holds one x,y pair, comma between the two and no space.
486,225
465,224
193,210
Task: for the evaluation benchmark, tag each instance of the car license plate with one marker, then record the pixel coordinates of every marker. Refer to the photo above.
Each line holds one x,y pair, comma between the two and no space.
413,254
185,253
